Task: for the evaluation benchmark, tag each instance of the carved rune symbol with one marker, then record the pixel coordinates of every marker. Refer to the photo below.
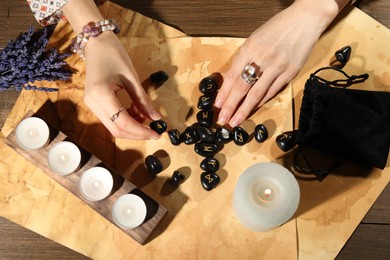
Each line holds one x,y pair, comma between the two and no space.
207,148
209,178
284,136
213,163
240,138
205,114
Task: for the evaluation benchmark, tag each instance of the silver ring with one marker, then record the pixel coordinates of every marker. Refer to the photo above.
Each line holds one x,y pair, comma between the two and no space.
249,74
116,115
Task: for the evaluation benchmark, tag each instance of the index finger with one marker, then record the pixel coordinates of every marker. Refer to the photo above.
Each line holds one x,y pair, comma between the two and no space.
232,76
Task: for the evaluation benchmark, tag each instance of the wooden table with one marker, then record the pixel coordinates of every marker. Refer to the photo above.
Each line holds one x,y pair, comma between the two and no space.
371,238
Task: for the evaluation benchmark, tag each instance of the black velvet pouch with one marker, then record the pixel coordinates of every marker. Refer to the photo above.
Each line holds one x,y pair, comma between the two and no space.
349,123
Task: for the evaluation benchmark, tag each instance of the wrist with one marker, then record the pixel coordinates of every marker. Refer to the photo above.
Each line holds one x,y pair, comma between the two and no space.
321,12
80,13
90,31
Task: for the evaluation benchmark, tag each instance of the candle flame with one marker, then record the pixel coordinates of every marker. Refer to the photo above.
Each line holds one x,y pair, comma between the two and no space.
266,195
267,192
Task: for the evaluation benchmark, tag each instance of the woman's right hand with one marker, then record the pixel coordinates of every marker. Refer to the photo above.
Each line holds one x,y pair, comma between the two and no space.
109,70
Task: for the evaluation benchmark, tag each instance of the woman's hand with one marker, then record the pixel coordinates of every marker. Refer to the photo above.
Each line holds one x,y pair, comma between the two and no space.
278,50
109,70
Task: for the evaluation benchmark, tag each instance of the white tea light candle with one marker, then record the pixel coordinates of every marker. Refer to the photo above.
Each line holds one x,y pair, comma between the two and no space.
64,158
129,211
96,183
32,133
266,196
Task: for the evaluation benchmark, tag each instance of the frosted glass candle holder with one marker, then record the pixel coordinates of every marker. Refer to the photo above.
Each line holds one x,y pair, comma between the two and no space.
266,196
64,158
96,183
32,133
129,211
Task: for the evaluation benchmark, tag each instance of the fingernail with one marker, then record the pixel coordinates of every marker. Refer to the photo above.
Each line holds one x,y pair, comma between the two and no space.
234,122
155,137
218,103
222,119
155,115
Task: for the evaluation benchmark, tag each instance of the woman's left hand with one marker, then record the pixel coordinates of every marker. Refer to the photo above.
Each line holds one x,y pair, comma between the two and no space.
278,50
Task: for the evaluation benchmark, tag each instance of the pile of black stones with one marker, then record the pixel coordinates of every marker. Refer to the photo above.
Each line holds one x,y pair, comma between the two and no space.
207,141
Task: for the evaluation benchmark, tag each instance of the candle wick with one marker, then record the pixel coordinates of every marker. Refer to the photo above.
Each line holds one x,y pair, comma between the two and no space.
127,212
32,133
63,158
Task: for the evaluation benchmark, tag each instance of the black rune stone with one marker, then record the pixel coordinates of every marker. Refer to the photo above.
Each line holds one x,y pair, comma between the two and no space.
176,178
153,164
205,102
209,164
240,136
174,136
205,117
159,126
205,149
261,133
223,135
189,136
209,180
206,135
287,140
210,84
159,77
343,54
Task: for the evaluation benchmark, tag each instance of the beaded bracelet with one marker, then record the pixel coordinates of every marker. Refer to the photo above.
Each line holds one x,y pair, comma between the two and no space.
92,29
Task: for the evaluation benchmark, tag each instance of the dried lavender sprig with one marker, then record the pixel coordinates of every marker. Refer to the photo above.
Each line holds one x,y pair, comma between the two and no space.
27,60
29,87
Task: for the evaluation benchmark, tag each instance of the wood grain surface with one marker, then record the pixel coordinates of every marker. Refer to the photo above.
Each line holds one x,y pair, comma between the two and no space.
371,238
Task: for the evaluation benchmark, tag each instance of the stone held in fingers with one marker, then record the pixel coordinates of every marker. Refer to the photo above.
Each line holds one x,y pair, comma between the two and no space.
158,126
159,77
209,164
206,149
223,135
177,178
205,102
153,164
240,136
209,180
174,136
261,133
287,140
205,117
